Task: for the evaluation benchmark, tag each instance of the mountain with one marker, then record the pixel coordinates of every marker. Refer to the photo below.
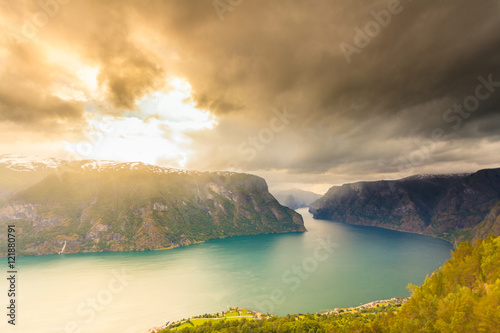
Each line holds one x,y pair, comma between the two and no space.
18,172
453,207
90,206
296,198
461,296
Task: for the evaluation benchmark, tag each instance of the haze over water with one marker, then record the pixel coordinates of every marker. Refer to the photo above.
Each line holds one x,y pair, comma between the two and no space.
134,291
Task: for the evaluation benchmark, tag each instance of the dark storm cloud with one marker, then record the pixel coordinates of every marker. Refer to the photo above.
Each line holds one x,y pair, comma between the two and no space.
349,116
382,104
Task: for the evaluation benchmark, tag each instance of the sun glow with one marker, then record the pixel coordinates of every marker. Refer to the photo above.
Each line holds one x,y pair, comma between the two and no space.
84,86
158,134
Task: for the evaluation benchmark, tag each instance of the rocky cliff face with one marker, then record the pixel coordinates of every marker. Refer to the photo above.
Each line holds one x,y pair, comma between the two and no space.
453,207
89,206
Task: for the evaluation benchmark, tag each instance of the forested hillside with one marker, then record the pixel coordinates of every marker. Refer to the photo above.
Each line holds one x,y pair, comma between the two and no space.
461,296
95,206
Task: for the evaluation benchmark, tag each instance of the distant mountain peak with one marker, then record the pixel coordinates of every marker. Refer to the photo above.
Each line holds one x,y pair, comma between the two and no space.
432,176
24,163
451,206
295,198
95,205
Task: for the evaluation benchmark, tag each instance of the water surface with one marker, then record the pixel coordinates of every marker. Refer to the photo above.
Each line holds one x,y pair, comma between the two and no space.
280,273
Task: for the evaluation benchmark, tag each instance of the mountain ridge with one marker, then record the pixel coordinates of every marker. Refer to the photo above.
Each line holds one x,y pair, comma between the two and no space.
296,198
451,207
112,206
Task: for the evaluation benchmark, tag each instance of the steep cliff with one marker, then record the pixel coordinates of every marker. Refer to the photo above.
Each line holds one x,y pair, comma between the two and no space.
93,206
453,207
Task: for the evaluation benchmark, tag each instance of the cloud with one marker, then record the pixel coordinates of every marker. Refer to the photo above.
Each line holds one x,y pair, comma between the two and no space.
351,118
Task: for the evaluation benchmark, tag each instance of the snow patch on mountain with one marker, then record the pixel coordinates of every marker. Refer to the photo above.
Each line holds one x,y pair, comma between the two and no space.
28,164
23,163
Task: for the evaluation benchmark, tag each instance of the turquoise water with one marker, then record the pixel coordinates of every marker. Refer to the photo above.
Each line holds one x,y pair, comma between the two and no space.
332,265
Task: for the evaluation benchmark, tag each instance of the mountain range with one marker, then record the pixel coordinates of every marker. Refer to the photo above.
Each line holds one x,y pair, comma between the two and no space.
296,198
90,206
454,207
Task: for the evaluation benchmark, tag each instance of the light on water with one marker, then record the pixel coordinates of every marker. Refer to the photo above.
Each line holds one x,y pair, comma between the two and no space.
285,273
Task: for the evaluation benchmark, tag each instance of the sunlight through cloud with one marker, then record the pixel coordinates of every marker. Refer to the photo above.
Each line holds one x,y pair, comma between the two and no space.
158,134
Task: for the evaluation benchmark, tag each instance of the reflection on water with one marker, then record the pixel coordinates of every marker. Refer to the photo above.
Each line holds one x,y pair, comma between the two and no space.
285,273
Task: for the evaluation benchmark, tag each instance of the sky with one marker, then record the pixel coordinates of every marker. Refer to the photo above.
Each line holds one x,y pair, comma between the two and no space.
306,94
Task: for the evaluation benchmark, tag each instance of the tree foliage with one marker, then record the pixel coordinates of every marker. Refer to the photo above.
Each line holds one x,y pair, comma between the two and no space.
461,296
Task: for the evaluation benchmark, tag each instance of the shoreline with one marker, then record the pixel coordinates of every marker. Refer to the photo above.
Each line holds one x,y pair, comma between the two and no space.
154,250
256,315
392,229
396,300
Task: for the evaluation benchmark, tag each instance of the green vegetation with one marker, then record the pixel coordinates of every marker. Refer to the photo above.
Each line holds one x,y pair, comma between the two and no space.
142,208
232,313
193,322
245,312
436,205
461,296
